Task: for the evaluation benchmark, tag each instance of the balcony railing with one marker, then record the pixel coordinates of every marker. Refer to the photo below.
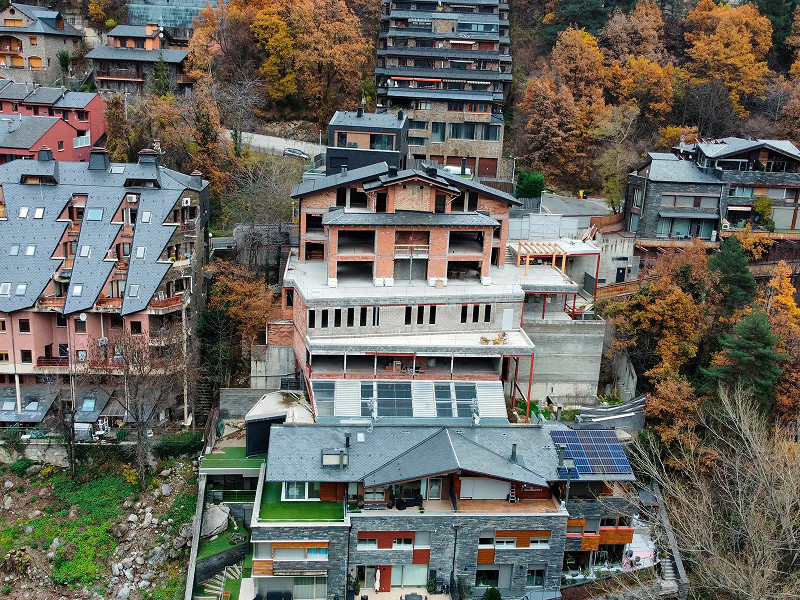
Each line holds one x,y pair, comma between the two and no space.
109,302
82,141
52,301
166,302
52,361
411,249
125,74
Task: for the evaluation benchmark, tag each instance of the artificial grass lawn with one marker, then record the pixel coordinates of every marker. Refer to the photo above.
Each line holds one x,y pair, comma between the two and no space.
233,586
234,456
272,509
211,547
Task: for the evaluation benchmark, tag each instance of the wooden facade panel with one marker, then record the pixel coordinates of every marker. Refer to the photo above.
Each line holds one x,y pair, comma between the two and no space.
422,556
576,522
262,567
485,556
299,544
331,491
590,541
616,535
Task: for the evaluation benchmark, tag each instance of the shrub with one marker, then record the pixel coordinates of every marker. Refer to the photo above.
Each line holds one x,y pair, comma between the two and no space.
130,474
492,594
464,588
431,585
186,443
48,471
20,466
530,184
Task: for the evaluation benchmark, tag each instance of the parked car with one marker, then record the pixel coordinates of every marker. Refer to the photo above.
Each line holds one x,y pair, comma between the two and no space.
296,153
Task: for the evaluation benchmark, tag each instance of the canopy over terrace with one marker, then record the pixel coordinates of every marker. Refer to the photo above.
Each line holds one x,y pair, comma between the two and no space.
528,249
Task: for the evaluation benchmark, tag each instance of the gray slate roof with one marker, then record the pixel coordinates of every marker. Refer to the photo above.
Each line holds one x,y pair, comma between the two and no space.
408,217
169,13
137,54
674,170
104,189
101,398
44,22
391,454
58,97
383,120
13,91
331,181
45,95
129,31
75,99
733,145
27,130
36,401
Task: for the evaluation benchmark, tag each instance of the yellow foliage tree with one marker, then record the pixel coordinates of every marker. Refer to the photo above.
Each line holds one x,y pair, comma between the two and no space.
649,84
273,36
670,135
243,296
637,34
753,244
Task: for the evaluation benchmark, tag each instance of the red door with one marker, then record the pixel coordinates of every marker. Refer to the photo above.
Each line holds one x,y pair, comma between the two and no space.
487,167
386,578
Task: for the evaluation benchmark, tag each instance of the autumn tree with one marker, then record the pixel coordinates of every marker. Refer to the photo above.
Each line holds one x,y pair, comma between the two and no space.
618,157
577,63
273,36
649,85
118,138
635,34
755,246
243,296
748,358
736,283
672,411
729,45
671,136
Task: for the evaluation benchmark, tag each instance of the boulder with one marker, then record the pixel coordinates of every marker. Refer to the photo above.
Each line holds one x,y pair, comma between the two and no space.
165,473
215,520
132,518
179,542
124,591
127,562
186,530
8,503
148,518
8,484
166,489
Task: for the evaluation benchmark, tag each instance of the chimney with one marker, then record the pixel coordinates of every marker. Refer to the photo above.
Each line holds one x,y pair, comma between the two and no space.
558,413
197,180
513,453
98,159
561,448
148,156
400,114
346,440
45,154
359,112
431,171
392,171
9,124
344,170
463,166
341,458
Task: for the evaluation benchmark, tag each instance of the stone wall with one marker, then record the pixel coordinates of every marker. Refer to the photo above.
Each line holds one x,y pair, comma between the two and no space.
208,567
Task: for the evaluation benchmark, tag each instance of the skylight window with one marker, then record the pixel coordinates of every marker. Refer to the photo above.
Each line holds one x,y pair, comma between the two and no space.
94,214
77,289
32,406
23,212
21,289
146,216
133,290
5,289
140,251
38,213
86,251
30,250
88,404
9,404
14,251
117,169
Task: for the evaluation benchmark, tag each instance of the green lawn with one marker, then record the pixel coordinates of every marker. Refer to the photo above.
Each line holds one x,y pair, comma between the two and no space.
233,586
211,547
272,509
230,457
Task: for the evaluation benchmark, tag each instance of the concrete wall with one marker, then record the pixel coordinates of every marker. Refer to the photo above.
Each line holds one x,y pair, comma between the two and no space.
268,366
566,359
625,376
616,252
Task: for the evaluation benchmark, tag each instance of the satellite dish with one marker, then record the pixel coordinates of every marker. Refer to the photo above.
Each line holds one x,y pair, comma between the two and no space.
82,316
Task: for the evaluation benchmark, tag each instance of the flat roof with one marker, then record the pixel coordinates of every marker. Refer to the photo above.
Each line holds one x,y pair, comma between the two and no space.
280,404
385,120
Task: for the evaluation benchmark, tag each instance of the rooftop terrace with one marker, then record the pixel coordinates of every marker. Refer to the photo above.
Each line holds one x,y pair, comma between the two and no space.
231,460
272,509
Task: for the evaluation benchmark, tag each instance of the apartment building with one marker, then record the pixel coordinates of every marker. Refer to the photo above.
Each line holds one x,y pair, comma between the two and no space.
125,64
90,250
448,66
359,139
386,507
708,188
30,39
84,111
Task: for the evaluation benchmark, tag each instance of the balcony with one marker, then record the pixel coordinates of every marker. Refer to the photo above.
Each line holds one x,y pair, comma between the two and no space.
272,509
170,302
120,74
52,361
82,141
57,301
108,304
411,250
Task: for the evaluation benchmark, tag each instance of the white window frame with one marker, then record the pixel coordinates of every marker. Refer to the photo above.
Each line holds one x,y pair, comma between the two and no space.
23,212
5,288
30,250
403,544
85,251
146,216
38,213
542,543
133,290
367,544
14,250
376,494
22,288
304,499
90,212
320,554
141,252
505,542
77,289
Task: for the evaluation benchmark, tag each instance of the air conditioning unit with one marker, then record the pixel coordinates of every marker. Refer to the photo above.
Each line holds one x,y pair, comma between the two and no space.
132,198
186,202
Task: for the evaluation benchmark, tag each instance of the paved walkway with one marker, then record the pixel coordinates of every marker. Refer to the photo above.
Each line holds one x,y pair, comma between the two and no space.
276,145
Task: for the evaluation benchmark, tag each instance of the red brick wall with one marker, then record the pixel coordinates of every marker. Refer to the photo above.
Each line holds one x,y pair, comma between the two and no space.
300,327
385,538
280,334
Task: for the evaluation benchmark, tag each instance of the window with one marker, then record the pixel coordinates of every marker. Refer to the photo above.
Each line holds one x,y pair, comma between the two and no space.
86,251
26,356
146,216
140,251
476,313
487,313
486,542
608,522
455,106
77,289
374,494
535,577
420,315
363,317
3,325
88,404
80,326
15,106
324,320
14,250
289,554
367,397
61,145
9,403
323,397
23,212
634,222
33,40
437,131
24,326
417,141
423,105
317,554
376,316
312,319
409,310
94,214
301,490
464,309
351,314
133,290
403,544
136,328
38,212
80,354
368,544
381,141
21,289
394,400
4,358
742,192
487,577
413,124
510,542
541,543
30,250
337,317
432,315
5,289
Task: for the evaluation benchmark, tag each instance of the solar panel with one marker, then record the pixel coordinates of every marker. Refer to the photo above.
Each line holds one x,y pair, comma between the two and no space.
563,471
594,451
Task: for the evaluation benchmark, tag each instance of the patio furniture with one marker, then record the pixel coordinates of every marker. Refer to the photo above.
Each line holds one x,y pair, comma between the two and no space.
413,596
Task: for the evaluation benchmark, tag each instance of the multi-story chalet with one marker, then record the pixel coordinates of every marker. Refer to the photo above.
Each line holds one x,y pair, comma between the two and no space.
448,65
706,188
386,504
359,139
126,63
22,136
30,39
89,249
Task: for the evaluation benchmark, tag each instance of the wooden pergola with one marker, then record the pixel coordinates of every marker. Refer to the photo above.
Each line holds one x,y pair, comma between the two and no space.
528,249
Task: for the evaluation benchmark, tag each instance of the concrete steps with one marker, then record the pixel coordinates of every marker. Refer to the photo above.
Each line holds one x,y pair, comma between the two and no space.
233,572
214,586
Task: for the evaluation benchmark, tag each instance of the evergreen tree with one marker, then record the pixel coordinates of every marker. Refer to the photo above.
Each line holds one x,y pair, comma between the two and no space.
159,80
590,15
748,358
737,285
530,184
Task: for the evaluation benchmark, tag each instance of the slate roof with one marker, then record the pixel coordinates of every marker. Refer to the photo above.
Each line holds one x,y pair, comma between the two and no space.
101,398
392,454
674,170
13,91
44,22
27,130
137,54
478,187
383,120
733,145
131,31
367,173
75,99
408,217
58,97
45,95
30,274
169,13
36,401
388,179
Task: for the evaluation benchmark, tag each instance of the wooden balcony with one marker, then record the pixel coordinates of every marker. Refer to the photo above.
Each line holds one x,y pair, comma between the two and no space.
170,302
120,75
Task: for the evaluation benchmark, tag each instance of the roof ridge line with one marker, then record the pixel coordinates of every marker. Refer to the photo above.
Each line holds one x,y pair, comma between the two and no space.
498,455
414,447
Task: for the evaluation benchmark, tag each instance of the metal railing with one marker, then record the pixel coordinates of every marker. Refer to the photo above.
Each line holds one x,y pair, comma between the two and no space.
411,249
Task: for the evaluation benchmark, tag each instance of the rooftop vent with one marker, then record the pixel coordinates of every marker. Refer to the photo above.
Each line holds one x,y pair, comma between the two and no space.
431,171
148,156
400,115
513,453
98,159
45,154
197,179
359,112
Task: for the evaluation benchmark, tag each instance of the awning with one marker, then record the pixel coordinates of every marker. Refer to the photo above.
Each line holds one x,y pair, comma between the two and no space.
740,208
414,79
685,214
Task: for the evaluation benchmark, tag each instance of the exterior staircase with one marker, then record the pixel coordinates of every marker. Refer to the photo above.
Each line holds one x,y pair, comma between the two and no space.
214,588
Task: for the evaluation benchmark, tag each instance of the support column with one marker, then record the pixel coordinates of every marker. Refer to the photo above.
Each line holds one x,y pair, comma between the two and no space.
530,384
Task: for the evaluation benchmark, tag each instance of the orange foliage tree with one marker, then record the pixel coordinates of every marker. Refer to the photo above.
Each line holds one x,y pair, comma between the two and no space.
243,296
636,34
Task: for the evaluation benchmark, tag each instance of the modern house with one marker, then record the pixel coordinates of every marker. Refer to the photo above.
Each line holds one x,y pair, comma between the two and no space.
359,139
91,250
448,66
30,39
84,111
708,188
387,504
126,63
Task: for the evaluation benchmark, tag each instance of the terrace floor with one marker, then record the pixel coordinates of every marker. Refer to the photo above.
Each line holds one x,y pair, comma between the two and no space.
272,509
230,457
473,506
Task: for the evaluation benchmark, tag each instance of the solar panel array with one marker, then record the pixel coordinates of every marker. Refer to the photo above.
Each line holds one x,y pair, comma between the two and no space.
595,452
564,472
